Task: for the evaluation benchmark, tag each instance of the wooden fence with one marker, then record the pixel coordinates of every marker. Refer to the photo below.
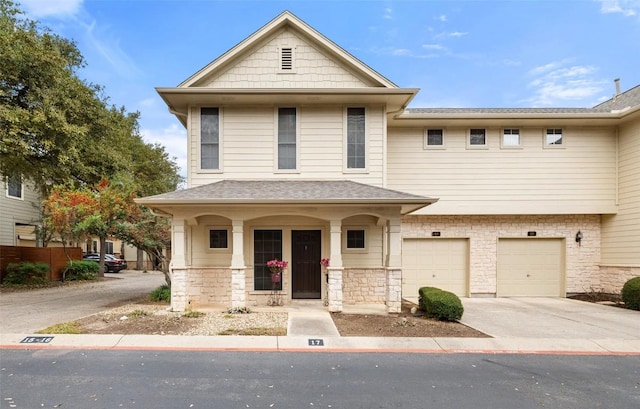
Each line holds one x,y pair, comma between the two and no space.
54,256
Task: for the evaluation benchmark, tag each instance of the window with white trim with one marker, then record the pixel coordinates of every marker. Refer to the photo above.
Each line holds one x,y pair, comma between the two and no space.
356,138
209,138
554,137
434,138
477,137
287,125
14,186
510,137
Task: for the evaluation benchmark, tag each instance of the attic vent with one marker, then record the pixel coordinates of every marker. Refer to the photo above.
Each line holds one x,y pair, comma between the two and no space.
286,59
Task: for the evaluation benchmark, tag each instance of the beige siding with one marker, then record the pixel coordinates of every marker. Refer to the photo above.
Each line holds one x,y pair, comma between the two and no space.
621,233
248,145
261,68
12,211
372,255
200,253
579,177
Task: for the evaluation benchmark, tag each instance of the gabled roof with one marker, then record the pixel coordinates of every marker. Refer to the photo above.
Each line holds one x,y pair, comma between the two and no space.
288,19
298,192
627,99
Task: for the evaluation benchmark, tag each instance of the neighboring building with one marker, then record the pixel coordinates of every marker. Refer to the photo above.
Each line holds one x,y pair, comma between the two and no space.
19,212
299,151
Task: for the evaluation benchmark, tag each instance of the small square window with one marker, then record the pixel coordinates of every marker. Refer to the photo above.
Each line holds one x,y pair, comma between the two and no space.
218,239
510,137
477,137
355,239
435,138
554,136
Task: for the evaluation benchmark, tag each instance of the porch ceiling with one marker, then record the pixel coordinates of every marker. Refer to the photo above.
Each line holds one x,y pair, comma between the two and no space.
287,192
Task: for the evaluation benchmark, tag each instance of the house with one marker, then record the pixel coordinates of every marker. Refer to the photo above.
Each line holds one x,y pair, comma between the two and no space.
19,212
298,151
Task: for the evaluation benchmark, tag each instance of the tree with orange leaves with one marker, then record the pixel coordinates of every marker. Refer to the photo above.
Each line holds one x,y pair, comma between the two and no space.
99,211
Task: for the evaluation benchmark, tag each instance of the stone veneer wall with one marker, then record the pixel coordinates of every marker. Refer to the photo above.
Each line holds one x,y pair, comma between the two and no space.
582,271
363,285
207,286
613,278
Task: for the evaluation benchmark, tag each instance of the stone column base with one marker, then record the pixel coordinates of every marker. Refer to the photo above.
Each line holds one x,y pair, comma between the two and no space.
179,298
335,288
238,293
394,290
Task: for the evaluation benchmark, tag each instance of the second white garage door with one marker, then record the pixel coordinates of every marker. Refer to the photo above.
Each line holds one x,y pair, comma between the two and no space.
530,267
441,263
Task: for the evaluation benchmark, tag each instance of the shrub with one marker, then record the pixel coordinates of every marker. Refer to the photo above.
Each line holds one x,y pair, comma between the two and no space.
162,293
81,270
631,294
26,273
440,304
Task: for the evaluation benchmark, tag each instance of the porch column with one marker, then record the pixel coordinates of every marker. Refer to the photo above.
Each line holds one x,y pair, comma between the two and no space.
335,268
177,267
394,267
238,275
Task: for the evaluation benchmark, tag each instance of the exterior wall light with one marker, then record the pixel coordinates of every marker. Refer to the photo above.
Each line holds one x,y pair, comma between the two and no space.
579,238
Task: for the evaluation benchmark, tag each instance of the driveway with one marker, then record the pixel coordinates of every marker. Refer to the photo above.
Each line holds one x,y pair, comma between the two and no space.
558,318
29,311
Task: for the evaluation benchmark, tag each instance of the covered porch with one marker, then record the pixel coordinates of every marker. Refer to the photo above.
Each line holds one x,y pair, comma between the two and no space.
224,233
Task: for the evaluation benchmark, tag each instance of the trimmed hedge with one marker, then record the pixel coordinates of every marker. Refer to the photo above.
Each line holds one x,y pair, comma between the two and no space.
440,304
81,270
26,273
631,294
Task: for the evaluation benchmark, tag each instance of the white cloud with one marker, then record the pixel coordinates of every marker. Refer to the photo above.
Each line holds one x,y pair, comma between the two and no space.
557,83
109,49
627,8
174,139
388,13
442,18
50,8
433,47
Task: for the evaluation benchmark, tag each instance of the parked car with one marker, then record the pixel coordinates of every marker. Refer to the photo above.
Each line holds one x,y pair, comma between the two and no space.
112,264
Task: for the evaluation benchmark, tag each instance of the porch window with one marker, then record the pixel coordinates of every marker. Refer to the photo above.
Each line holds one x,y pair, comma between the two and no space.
287,138
355,239
209,138
267,245
356,139
218,239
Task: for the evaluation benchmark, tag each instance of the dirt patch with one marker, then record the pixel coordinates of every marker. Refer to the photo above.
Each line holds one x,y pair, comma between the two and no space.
405,324
8,289
596,297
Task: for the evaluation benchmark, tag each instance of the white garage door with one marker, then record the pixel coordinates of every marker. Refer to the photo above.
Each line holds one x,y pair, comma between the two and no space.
441,263
530,267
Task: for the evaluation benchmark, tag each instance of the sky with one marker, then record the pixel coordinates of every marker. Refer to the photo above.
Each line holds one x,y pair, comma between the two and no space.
461,54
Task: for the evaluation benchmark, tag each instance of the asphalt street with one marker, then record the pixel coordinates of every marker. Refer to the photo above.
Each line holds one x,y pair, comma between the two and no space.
180,379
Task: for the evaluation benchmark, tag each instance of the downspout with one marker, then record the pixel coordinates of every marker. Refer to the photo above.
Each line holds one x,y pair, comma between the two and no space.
174,112
617,191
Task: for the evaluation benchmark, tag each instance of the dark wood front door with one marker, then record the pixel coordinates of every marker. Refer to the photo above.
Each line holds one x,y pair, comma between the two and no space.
305,264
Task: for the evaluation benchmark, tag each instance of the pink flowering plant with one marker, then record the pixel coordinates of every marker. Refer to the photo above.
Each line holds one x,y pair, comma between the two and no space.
277,266
324,262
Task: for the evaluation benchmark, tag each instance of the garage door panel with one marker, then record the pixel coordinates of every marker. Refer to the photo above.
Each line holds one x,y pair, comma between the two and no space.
441,263
530,267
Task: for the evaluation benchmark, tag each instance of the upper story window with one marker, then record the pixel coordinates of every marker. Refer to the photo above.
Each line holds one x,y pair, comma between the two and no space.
356,138
510,137
477,137
287,126
14,186
434,138
554,137
209,138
